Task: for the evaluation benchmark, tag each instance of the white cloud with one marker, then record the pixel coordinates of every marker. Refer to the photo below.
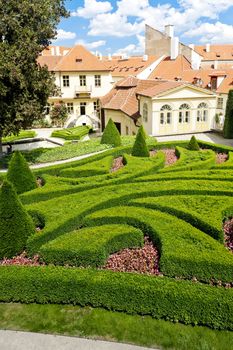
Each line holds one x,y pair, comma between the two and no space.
189,14
212,33
63,35
133,49
92,8
91,46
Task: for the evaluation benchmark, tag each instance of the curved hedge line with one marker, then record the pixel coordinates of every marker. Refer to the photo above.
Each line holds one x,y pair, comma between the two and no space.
159,297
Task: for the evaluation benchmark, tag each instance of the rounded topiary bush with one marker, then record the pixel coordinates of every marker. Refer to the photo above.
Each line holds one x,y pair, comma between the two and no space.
20,175
140,148
111,135
193,144
15,223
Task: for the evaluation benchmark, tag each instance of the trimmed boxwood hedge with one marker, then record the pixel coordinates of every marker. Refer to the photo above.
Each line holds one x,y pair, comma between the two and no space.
91,246
20,175
75,133
160,297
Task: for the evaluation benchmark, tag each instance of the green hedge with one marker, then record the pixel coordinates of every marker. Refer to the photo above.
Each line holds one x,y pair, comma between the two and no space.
75,133
90,246
159,297
185,251
24,134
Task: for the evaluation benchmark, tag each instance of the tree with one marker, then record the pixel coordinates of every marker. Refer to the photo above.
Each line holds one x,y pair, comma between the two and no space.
20,175
193,144
228,122
27,27
111,135
59,114
15,223
140,148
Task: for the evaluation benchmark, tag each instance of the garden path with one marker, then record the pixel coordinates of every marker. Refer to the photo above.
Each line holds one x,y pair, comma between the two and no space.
15,340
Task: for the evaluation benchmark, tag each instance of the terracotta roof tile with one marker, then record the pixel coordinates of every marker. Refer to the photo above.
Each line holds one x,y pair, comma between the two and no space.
130,66
217,52
170,69
160,87
49,61
80,60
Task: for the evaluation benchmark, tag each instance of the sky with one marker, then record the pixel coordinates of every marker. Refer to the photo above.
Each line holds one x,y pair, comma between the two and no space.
118,26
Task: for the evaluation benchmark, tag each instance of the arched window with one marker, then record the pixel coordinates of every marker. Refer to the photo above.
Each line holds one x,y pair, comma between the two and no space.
166,115
184,113
202,112
145,112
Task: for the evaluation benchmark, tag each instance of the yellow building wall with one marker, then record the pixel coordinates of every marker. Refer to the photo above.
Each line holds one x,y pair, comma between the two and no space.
123,119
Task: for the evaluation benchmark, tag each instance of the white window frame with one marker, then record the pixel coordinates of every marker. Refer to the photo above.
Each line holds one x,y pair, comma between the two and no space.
184,114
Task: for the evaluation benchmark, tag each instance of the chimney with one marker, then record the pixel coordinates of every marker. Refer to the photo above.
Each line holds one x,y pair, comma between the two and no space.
215,64
207,48
57,49
169,30
174,48
100,56
145,58
53,51
109,57
192,46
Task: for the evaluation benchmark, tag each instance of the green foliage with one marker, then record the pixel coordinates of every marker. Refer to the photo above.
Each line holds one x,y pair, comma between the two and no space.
159,297
15,224
20,175
193,144
91,247
76,133
228,122
140,148
24,85
111,135
59,114
24,134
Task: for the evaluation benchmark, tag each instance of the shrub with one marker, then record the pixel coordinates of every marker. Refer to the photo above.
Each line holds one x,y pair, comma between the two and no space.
140,148
228,122
90,246
20,175
15,223
111,135
159,297
75,133
193,144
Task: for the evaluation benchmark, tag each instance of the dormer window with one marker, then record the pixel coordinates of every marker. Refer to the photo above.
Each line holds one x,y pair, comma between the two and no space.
79,60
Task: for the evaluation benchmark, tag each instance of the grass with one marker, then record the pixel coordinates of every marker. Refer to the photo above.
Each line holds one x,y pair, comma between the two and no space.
24,134
114,326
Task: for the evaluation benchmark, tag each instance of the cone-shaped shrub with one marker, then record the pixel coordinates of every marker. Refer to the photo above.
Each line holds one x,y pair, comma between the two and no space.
140,148
20,175
111,135
193,144
228,123
15,223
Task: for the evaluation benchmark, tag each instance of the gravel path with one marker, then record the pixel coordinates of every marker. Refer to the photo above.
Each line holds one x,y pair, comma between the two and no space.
14,340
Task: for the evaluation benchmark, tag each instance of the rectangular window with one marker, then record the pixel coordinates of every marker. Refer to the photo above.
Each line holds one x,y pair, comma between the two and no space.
66,80
205,115
220,103
180,118
161,118
96,106
82,80
169,118
97,80
70,107
127,130
187,117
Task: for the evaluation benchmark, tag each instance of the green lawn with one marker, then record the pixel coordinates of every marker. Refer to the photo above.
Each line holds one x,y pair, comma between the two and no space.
115,326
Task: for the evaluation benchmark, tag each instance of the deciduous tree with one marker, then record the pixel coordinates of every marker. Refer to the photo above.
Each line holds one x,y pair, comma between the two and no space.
26,28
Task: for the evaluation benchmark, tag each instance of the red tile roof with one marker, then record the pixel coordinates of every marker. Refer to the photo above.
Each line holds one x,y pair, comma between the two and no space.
217,52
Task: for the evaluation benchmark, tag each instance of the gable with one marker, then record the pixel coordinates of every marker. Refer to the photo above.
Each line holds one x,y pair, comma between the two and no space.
186,91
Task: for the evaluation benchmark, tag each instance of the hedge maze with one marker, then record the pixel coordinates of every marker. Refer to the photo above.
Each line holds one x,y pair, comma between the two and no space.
91,212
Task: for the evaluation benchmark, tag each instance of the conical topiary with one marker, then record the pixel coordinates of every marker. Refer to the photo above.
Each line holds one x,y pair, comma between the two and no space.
228,122
15,223
111,135
193,144
140,148
20,175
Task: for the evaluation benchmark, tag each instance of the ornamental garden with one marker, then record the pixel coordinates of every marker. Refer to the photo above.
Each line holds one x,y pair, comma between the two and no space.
143,229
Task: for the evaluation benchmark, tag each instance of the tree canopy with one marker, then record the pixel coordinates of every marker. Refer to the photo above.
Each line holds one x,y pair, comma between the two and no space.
26,28
228,123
